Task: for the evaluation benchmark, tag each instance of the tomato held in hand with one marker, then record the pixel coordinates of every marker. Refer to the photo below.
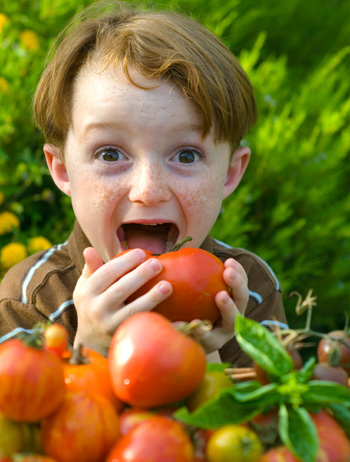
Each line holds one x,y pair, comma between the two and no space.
152,364
158,440
32,381
196,277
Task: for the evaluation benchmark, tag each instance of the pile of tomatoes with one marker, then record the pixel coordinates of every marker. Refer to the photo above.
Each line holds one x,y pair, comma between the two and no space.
64,406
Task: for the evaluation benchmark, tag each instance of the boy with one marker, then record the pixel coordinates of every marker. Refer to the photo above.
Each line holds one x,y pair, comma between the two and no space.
143,113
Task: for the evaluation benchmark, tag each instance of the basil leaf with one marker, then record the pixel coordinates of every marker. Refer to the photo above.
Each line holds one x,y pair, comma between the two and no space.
342,416
306,372
263,347
223,410
258,393
221,367
324,392
298,432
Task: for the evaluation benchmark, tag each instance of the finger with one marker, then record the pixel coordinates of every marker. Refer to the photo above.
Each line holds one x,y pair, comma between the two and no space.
133,281
160,292
231,263
239,288
228,310
93,261
113,270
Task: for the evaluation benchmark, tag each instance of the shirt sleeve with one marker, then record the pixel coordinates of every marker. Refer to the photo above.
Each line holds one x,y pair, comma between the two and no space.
17,317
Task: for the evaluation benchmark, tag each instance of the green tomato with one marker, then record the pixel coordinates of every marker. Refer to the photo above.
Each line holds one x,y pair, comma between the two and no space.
212,383
12,438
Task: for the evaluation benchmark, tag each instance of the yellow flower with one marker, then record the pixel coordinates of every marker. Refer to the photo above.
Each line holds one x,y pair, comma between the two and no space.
4,86
2,197
8,221
37,244
29,40
11,254
3,21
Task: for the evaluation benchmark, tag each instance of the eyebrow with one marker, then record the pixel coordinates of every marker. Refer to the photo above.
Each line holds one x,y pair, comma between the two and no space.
96,125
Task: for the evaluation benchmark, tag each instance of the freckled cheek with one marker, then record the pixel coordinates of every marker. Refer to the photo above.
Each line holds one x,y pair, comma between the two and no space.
96,194
203,198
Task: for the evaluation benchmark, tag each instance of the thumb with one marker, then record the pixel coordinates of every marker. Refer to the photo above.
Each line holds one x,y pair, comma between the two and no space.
93,261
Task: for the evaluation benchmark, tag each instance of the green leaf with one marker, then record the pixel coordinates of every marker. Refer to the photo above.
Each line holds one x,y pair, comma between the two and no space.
263,347
259,392
220,367
324,392
342,416
223,410
298,432
306,372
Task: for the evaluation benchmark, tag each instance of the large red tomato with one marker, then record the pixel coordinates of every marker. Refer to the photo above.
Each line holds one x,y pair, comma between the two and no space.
90,372
32,381
158,440
82,429
196,277
153,364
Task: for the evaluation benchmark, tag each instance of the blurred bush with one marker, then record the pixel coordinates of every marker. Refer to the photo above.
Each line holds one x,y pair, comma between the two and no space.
292,207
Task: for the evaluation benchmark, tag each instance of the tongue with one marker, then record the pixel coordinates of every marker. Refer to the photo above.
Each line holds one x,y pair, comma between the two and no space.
151,238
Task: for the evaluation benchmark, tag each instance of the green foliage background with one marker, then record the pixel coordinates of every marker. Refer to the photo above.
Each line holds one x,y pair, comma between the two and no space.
293,205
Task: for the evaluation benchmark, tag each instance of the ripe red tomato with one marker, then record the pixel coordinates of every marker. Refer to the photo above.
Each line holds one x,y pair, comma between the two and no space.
152,364
91,373
32,381
130,418
332,350
82,429
324,371
158,440
196,277
334,444
279,454
31,458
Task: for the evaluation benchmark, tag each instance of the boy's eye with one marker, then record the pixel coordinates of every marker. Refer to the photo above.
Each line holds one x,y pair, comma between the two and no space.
188,156
110,154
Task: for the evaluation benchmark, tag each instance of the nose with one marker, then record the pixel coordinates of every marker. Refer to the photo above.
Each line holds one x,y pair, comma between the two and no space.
150,184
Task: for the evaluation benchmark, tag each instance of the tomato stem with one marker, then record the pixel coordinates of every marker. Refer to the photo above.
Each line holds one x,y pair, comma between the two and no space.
181,243
78,356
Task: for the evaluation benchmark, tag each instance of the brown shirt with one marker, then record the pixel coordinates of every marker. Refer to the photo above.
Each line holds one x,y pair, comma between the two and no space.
40,288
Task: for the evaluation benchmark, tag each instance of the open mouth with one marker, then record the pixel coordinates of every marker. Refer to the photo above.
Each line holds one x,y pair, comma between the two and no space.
157,238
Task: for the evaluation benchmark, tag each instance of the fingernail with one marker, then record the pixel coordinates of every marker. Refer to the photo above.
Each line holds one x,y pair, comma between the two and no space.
141,254
155,265
165,288
225,298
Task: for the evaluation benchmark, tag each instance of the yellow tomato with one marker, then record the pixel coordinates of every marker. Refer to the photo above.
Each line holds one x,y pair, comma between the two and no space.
234,443
212,383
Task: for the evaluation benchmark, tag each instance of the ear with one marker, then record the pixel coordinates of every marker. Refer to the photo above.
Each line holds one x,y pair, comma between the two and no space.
236,169
57,167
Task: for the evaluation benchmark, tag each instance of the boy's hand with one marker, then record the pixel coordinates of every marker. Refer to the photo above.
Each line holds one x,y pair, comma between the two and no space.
223,331
102,289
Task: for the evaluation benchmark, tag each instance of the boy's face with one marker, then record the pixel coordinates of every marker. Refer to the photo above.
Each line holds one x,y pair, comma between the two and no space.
136,167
